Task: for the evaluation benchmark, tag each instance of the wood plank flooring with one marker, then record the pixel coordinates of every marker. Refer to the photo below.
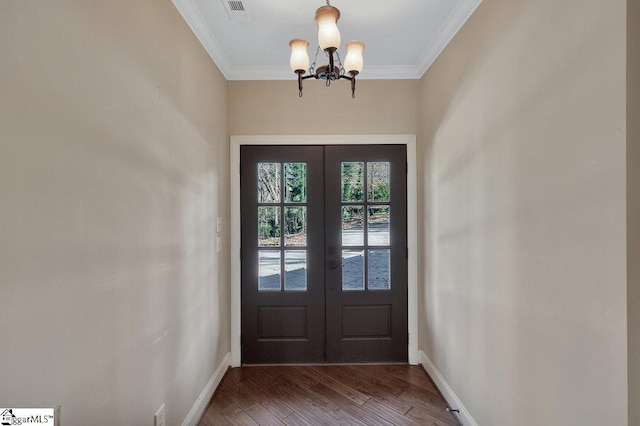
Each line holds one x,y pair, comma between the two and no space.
328,395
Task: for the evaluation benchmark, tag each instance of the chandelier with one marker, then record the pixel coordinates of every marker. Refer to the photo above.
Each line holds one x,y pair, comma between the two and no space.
329,41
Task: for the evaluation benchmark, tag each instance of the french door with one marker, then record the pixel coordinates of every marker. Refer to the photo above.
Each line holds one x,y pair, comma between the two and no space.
324,244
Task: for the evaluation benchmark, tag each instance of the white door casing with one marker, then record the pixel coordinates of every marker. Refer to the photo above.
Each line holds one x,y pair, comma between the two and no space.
412,220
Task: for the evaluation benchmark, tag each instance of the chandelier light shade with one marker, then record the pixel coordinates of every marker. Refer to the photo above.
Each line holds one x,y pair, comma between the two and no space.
328,33
329,43
353,62
299,55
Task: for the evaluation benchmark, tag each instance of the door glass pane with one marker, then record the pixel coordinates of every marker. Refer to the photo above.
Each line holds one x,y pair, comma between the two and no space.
268,226
295,270
295,182
269,270
353,269
269,182
352,182
379,270
295,226
378,229
352,225
378,182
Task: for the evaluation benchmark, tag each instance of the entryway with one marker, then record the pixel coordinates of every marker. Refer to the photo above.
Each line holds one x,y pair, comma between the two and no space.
324,254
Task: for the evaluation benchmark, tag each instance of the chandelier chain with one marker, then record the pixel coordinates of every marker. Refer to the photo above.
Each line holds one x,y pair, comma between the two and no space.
340,63
312,69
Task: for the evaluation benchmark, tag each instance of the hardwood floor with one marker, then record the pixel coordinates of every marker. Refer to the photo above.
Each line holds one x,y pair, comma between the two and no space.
328,395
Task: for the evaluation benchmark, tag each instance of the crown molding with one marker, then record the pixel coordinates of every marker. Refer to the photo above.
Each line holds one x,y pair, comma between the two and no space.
371,72
192,15
460,14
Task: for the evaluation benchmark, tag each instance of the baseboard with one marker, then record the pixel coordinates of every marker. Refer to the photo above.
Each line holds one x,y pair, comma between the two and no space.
452,399
203,400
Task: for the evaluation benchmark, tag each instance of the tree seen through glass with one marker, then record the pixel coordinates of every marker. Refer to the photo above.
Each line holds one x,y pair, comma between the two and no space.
270,184
374,211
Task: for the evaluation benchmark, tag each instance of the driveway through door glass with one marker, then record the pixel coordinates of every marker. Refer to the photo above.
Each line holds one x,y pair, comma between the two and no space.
324,269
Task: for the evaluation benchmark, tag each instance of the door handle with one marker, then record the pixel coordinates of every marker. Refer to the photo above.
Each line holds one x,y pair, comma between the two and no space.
333,264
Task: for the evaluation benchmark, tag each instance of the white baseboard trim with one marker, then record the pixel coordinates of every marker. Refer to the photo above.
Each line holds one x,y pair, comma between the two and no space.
203,400
452,399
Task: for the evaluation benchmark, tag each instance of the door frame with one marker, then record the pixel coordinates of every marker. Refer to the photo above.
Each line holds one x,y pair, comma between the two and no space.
412,220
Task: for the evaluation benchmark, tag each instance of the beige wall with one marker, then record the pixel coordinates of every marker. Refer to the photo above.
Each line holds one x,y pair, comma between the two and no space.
523,139
274,108
633,206
113,168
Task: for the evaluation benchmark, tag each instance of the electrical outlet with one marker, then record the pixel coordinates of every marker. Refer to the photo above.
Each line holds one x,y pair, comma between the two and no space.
159,418
218,244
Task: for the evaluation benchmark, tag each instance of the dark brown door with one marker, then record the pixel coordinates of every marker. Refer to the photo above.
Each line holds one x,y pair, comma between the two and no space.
366,239
282,254
324,269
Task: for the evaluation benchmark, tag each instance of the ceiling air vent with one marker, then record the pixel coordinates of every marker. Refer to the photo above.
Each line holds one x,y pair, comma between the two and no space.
236,10
236,5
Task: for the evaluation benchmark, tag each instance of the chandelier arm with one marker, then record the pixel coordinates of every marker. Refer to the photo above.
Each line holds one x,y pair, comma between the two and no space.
301,78
300,83
352,79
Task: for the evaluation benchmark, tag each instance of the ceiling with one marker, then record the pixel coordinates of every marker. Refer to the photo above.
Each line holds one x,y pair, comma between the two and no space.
402,37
